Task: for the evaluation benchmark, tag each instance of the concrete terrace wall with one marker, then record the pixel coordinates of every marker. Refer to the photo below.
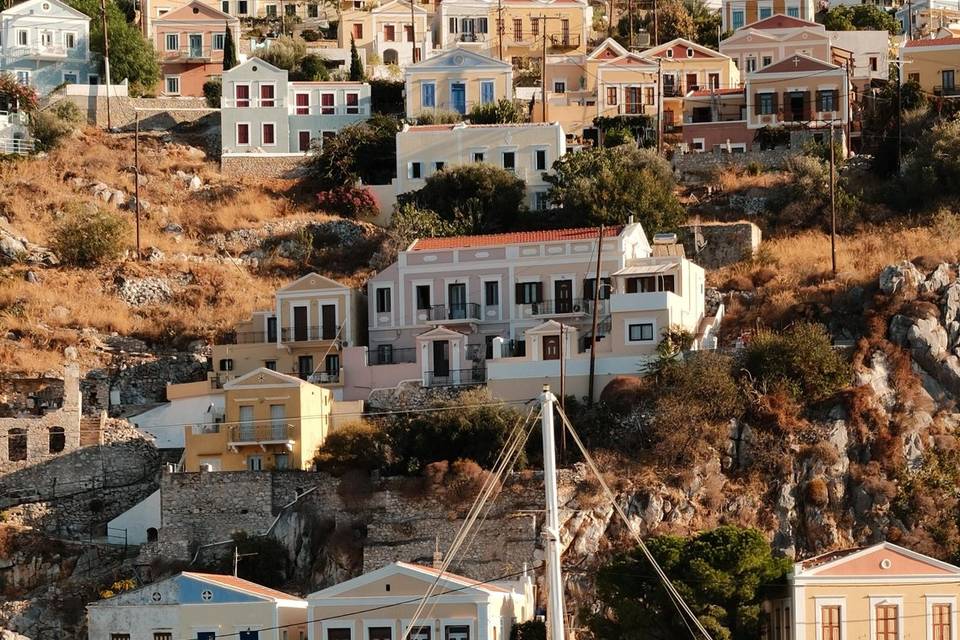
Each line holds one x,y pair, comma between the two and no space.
725,243
173,111
261,166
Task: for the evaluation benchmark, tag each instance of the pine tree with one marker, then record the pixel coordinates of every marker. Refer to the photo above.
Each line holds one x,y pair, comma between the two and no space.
356,67
229,51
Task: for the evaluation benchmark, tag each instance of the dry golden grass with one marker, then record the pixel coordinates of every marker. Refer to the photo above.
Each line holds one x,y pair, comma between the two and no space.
733,179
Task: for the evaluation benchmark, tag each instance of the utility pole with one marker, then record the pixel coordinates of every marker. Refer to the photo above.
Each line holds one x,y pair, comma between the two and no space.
543,67
610,20
833,206
596,305
630,18
900,64
656,25
136,177
563,376
551,525
106,58
659,106
236,558
413,33
500,27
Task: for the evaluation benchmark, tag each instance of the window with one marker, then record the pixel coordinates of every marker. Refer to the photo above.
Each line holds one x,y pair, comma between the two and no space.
604,288
873,63
738,18
414,171
423,297
383,300
611,96
162,635
173,41
327,107
438,166
243,133
766,103
23,77
225,6
517,29
669,53
535,27
491,293
540,159
649,95
16,444
242,7
827,100
281,461
830,623
541,201
271,11
338,634
313,10
458,632
887,620
942,622
268,133
913,77
290,9
766,61
793,12
714,80
70,40
119,636
278,421
478,156
357,31
689,52
241,93
270,364
481,25
642,332
249,634
948,79
172,85
58,440
559,86
766,12
218,40
70,78
254,463
266,95
509,160
23,37
529,292
428,95
751,64
486,91
226,364
302,103
353,103
389,33
786,623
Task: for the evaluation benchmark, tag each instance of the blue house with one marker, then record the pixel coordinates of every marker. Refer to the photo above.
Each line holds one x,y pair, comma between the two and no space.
46,43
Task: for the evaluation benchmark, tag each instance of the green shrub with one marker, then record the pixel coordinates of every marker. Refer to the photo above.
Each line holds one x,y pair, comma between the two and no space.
357,446
91,236
529,630
285,52
48,130
312,68
309,35
439,116
68,112
617,137
503,111
212,90
802,359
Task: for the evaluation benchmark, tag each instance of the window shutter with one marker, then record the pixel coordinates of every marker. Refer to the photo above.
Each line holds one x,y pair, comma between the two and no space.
632,285
836,99
757,106
807,106
539,292
819,104
773,97
519,293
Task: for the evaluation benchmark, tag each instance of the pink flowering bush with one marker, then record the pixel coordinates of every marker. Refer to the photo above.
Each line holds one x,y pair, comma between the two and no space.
347,201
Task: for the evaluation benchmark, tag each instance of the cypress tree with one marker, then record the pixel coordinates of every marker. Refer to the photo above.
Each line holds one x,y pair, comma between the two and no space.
356,67
229,50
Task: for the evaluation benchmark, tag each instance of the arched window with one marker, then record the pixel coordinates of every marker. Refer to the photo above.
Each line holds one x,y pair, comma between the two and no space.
152,534
58,439
16,444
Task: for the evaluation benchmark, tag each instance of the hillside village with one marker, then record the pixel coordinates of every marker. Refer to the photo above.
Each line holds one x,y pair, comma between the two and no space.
476,320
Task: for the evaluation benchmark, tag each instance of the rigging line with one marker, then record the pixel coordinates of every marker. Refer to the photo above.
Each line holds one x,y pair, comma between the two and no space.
671,590
485,492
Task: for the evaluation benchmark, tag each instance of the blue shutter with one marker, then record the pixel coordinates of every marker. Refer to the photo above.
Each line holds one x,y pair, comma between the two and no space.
486,92
427,95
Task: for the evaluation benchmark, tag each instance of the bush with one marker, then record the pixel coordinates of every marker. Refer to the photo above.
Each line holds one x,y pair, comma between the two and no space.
503,111
285,52
312,68
817,493
617,137
801,359
439,116
309,35
212,90
349,202
529,630
357,446
364,151
88,237
48,130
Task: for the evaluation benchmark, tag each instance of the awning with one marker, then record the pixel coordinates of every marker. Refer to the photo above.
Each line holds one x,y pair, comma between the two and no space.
645,269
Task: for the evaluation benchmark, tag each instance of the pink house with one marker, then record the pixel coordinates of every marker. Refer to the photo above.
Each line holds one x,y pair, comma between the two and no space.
191,42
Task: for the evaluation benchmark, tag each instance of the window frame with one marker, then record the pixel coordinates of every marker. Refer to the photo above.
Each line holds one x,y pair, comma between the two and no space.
166,85
431,94
175,38
237,134
641,326
263,134
387,300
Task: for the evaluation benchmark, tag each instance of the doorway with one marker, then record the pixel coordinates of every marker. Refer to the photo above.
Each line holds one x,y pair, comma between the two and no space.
441,358
563,296
300,324
305,367
457,301
551,347
328,321
796,106
458,97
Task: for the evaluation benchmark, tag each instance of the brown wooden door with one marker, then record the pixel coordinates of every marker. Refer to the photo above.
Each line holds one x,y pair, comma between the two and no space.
551,347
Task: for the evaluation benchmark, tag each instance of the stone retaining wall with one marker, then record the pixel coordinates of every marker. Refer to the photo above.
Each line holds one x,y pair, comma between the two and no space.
123,115
261,166
722,243
701,163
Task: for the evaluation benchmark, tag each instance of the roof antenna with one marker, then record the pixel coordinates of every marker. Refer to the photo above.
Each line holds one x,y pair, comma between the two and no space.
437,556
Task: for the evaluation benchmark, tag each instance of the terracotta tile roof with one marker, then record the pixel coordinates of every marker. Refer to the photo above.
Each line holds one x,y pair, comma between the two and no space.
453,577
464,125
705,93
521,237
240,584
829,556
934,42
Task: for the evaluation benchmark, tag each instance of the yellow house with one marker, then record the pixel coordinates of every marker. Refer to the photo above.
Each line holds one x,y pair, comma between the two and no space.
527,26
381,605
933,64
313,318
882,592
456,80
272,422
385,32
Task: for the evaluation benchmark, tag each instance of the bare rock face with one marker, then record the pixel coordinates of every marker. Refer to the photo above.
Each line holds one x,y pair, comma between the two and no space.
903,276
936,281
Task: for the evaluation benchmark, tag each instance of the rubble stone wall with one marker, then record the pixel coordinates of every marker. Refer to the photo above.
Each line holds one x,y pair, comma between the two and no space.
722,243
260,166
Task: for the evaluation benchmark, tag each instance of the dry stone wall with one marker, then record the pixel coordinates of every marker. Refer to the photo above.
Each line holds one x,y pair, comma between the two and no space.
170,111
721,243
260,166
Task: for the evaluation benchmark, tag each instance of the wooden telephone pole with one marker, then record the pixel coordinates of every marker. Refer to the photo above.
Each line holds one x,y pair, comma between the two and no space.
595,320
543,68
500,28
833,206
106,57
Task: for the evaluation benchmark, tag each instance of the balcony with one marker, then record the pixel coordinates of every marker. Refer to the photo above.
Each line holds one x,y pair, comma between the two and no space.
261,434
324,377
327,110
38,51
564,42
386,354
545,309
306,334
946,92
456,377
251,337
466,311
470,37
672,91
252,103
188,54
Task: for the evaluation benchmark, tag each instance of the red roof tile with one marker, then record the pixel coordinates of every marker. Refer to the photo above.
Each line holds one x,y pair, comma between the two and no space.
703,93
934,42
521,237
240,584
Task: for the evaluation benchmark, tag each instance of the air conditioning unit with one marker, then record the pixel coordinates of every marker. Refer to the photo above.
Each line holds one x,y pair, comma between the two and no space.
534,309
576,308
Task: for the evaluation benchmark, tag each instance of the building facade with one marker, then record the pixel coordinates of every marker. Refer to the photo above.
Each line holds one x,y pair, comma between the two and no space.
46,43
735,14
264,113
456,80
526,150
198,605
191,43
925,18
934,64
883,591
384,32
462,609
272,421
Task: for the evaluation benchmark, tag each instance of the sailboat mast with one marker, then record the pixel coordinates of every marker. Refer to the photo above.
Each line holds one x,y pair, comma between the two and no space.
551,529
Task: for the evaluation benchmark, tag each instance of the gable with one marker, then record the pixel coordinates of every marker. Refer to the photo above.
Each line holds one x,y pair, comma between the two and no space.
179,589
780,21
885,560
247,69
608,50
458,59
311,282
262,376
631,60
57,8
679,47
798,63
397,6
402,579
806,35
195,12
440,332
750,36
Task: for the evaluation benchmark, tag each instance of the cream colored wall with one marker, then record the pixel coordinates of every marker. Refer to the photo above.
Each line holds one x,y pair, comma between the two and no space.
344,412
393,616
316,404
928,62
502,87
818,48
805,82
703,67
857,610
228,619
532,47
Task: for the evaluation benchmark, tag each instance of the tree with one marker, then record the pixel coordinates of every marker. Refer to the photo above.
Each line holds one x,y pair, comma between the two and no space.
475,198
933,168
285,52
607,186
706,23
229,50
15,96
674,21
312,68
358,446
212,91
356,66
861,17
365,151
504,111
719,573
132,57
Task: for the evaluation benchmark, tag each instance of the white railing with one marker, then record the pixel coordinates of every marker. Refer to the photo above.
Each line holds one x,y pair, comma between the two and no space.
337,110
17,117
252,103
53,51
19,146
